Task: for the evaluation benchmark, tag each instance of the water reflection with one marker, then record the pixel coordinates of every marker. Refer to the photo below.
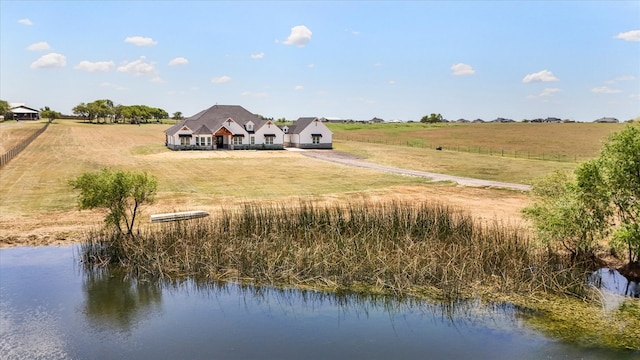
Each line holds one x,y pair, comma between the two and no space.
118,301
52,308
612,281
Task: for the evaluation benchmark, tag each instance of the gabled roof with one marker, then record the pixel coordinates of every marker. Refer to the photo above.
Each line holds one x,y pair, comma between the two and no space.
301,124
21,109
203,130
215,117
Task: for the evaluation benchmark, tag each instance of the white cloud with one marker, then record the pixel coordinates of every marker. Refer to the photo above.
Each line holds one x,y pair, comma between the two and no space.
462,69
42,45
633,35
178,61
549,91
311,65
139,67
298,88
605,90
257,56
25,22
221,79
621,78
300,36
391,82
541,76
50,60
140,41
95,66
112,85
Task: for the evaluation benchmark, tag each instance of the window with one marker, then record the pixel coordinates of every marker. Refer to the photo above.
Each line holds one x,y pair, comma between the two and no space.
315,139
237,140
198,141
209,141
268,140
185,141
252,140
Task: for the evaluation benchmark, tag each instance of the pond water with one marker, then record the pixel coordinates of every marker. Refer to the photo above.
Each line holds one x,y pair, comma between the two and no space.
51,308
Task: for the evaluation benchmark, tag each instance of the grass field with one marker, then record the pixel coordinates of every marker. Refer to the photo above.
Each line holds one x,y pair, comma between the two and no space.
561,142
36,202
12,133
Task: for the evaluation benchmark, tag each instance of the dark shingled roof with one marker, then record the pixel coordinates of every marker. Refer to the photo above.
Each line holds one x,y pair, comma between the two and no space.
300,124
214,117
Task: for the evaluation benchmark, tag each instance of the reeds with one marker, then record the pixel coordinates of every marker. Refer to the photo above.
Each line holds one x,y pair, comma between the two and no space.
382,247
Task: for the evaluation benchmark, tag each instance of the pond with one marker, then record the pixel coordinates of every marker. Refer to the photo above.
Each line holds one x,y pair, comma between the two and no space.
51,308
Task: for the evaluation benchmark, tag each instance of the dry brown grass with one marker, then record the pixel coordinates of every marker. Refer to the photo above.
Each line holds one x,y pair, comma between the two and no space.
38,207
567,141
12,133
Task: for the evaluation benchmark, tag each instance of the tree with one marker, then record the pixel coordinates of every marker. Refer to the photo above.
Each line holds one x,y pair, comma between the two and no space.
101,109
4,108
564,213
620,166
81,110
433,118
47,113
603,198
120,192
177,115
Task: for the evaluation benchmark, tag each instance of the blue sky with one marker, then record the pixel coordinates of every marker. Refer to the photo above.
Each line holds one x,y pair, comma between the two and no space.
355,60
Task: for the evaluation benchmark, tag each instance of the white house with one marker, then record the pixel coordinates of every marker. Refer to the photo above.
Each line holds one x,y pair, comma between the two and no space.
224,127
22,112
308,133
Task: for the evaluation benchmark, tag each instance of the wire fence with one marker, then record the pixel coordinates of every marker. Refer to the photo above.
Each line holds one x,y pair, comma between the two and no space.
512,153
13,152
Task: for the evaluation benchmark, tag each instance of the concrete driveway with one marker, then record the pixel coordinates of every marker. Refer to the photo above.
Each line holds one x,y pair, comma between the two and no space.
348,159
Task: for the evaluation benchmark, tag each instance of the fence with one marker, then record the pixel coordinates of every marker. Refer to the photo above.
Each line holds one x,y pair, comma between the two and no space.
418,143
6,157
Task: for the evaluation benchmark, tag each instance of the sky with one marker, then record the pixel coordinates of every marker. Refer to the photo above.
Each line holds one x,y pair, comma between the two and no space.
393,60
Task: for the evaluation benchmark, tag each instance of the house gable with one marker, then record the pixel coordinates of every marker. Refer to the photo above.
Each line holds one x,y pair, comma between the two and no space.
310,133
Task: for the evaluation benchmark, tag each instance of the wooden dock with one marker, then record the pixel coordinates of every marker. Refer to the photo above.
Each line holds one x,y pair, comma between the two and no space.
178,216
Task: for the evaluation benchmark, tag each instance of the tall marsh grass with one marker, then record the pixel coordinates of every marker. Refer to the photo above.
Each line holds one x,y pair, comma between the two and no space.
398,248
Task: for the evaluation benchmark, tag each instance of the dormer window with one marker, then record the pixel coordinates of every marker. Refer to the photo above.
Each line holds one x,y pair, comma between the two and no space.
249,126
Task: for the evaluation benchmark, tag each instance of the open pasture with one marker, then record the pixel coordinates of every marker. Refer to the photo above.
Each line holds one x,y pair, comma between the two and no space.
559,142
37,203
12,133
38,206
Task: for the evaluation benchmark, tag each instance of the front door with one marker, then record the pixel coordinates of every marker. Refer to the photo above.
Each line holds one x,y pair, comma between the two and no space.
219,142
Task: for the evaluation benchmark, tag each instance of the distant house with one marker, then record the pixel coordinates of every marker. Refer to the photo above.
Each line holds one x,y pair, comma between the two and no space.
333,120
21,112
502,120
308,133
220,127
607,120
376,120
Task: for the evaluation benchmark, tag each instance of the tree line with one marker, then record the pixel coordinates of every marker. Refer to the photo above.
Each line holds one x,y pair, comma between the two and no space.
105,111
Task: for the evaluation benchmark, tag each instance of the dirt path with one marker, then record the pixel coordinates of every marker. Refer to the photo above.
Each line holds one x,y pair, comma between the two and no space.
348,159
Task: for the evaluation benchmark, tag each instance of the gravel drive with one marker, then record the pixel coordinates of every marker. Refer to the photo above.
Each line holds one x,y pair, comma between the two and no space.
351,160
